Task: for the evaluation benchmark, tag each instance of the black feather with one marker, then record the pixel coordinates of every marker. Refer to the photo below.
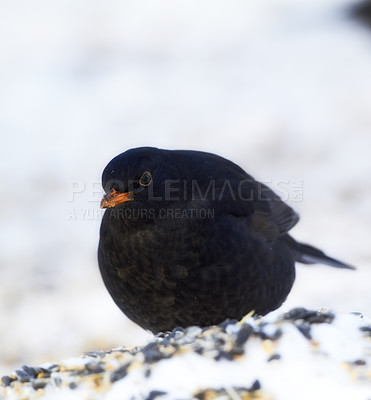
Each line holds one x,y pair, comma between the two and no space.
203,242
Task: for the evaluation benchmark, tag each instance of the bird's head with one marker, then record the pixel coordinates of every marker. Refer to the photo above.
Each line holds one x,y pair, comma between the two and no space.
147,177
141,175
129,175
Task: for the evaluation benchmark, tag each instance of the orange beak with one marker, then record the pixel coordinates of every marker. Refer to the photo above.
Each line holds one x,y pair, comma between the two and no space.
113,197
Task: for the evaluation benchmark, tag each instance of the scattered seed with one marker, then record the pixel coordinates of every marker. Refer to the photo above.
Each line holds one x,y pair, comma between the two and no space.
305,330
57,381
119,373
22,376
6,380
39,384
154,394
274,357
30,371
359,362
366,329
72,385
244,333
255,386
224,342
95,353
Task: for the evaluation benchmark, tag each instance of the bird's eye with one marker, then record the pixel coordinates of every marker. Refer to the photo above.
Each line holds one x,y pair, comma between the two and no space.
145,179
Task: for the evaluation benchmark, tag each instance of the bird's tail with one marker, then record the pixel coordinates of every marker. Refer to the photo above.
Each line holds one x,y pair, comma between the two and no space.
307,254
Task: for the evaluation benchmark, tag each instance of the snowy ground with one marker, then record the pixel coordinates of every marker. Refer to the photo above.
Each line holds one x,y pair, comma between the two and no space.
282,87
303,354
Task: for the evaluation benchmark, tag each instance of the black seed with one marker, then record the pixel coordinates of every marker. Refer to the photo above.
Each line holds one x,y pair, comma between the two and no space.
298,313
277,334
72,385
321,317
305,330
148,372
57,381
219,341
30,371
255,386
119,373
243,334
98,370
53,368
274,357
94,368
357,313
366,329
95,353
38,384
23,376
310,316
6,380
359,362
154,394
153,353
224,355
78,372
237,351
46,372
124,350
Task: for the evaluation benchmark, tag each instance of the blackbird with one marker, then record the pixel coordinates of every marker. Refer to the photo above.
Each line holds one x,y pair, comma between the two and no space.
189,238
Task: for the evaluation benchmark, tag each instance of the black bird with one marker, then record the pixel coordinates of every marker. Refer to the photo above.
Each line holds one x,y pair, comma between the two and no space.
189,238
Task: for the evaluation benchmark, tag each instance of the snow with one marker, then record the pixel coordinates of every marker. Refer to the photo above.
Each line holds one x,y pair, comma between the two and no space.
332,362
303,371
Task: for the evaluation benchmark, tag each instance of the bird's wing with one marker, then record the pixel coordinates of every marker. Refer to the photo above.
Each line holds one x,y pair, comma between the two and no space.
275,223
229,190
269,215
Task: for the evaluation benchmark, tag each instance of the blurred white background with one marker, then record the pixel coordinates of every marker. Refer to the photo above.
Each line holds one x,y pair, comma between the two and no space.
283,88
